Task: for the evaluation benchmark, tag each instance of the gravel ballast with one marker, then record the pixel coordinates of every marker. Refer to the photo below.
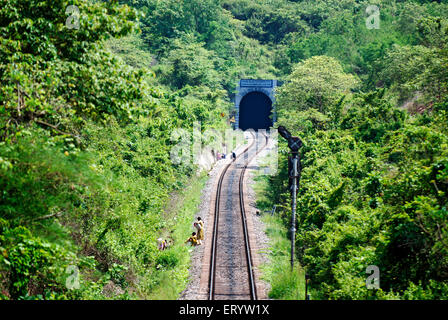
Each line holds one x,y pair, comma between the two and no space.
257,228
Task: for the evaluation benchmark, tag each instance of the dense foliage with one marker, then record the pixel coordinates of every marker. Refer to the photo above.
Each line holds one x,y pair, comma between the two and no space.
85,169
374,183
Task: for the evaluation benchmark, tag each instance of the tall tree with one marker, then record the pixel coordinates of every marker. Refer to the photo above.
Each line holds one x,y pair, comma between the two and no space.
318,82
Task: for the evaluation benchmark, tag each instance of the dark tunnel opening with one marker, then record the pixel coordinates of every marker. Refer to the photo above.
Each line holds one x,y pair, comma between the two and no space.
255,111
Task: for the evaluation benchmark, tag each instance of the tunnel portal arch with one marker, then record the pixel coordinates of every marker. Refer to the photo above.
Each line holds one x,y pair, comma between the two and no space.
254,101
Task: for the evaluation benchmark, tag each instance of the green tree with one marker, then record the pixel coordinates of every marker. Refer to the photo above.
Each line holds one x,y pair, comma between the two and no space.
318,83
191,64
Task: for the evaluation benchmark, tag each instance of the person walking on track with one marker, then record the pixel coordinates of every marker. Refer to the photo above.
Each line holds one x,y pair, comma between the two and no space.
233,155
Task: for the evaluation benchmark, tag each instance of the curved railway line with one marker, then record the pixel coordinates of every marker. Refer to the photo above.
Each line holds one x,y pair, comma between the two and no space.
231,274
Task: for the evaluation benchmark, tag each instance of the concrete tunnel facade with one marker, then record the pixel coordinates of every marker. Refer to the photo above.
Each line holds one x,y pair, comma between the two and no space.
254,104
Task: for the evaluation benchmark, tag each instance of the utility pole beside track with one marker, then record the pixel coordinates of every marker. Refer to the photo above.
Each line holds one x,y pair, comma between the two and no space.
294,170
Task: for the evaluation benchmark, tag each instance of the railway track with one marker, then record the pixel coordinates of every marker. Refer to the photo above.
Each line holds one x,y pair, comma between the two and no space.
231,274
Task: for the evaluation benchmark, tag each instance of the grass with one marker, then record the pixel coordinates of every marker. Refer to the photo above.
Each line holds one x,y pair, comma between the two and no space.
286,284
172,277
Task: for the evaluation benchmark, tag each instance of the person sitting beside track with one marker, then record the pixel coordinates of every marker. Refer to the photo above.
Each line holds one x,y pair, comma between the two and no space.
193,239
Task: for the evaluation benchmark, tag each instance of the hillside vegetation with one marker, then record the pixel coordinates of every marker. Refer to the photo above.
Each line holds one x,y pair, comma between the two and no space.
374,184
85,169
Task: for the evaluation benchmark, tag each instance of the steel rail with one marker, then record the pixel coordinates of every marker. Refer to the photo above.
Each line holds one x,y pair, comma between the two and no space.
212,274
253,288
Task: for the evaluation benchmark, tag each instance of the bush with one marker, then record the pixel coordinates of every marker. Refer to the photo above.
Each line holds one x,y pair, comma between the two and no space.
168,259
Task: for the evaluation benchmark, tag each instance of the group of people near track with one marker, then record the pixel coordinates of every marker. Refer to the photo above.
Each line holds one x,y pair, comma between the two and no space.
196,237
220,156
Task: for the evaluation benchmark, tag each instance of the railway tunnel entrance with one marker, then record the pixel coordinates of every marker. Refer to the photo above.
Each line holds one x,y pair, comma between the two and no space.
254,104
255,111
